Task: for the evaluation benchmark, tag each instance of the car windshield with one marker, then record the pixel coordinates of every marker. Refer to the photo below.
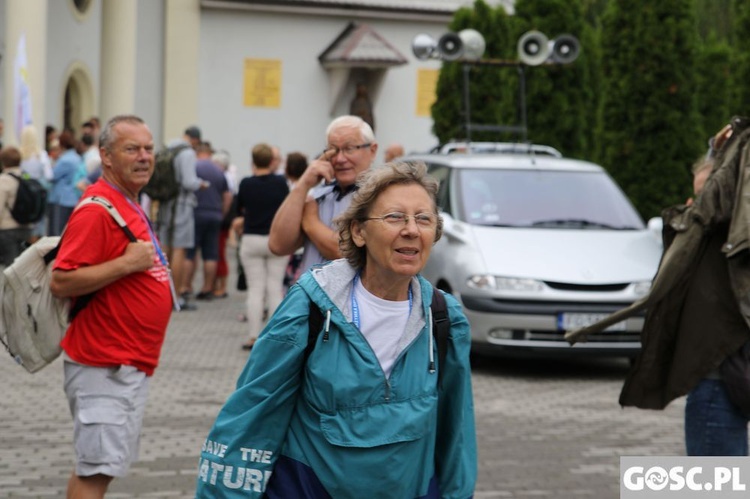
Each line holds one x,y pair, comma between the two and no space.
544,199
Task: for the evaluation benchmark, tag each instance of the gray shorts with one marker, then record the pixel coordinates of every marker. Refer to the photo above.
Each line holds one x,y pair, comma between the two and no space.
107,405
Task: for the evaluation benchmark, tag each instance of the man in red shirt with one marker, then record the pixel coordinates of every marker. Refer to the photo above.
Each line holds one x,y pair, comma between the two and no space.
112,345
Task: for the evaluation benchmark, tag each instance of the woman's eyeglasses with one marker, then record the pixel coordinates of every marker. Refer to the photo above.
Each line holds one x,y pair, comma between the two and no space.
398,220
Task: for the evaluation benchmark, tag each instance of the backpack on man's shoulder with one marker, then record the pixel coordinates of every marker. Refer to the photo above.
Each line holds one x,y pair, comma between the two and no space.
31,200
163,184
33,321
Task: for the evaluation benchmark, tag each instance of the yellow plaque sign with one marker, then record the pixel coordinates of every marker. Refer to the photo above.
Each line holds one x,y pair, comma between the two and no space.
262,83
426,88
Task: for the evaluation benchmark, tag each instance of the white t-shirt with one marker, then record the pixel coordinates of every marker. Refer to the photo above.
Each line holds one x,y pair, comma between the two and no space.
382,323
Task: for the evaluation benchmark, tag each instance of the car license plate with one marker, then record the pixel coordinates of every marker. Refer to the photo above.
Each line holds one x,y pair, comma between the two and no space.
570,321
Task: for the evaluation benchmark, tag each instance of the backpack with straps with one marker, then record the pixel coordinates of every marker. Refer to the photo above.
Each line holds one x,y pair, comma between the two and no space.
31,200
163,184
441,327
33,321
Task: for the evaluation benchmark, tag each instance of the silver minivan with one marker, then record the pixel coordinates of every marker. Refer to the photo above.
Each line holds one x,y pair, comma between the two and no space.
536,244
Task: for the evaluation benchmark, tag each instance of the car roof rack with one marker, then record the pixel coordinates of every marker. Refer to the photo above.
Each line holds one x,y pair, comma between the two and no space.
465,147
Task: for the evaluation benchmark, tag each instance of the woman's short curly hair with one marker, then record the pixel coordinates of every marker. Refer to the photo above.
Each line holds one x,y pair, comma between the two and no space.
371,184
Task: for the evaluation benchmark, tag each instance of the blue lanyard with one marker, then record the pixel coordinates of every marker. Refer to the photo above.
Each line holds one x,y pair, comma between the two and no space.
145,220
355,305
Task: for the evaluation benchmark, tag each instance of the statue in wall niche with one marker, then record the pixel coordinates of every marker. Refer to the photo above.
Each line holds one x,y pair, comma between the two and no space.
362,106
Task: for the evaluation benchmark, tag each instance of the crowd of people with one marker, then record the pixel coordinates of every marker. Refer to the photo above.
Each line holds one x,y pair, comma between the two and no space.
65,165
209,211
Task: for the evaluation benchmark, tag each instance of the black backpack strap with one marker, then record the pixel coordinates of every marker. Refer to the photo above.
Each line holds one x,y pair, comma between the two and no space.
441,326
52,254
315,325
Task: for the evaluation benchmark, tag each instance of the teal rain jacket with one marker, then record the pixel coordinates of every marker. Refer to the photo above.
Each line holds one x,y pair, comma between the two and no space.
335,426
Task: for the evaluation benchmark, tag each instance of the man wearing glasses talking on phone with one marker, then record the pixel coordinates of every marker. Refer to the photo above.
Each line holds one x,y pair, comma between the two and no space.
307,219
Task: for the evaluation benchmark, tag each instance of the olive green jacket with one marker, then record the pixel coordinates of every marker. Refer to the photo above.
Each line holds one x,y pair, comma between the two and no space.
673,359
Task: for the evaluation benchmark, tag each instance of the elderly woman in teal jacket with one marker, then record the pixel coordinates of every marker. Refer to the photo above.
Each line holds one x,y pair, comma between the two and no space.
363,415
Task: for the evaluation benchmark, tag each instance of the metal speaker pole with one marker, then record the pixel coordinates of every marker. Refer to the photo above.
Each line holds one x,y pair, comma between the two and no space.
533,48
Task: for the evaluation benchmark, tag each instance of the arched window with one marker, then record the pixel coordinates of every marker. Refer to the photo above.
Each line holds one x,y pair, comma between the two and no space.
82,5
78,96
81,9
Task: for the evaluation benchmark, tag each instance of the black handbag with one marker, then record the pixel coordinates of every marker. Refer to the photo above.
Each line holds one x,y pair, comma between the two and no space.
241,282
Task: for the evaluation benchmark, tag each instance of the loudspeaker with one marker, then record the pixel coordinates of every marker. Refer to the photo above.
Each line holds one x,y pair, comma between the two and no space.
533,48
450,47
565,49
423,46
473,43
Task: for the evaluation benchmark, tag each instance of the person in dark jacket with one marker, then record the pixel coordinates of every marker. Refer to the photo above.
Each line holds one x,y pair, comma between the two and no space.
714,425
695,318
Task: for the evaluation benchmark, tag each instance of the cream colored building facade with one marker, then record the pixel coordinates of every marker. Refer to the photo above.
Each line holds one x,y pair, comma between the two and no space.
244,71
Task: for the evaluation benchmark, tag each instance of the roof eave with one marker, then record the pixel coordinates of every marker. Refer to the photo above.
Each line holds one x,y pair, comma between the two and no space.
405,14
369,64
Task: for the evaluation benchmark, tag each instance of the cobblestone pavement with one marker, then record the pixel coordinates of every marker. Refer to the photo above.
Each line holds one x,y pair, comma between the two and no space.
545,429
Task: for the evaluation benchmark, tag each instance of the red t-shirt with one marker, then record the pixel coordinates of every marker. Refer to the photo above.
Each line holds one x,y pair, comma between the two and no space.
126,321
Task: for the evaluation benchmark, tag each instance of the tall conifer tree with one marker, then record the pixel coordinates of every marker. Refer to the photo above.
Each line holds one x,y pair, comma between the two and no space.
741,57
651,132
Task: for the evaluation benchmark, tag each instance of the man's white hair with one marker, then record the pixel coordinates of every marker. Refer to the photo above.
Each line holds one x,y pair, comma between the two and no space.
349,121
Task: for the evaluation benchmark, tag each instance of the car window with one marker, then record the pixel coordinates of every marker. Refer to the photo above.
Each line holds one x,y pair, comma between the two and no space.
441,174
545,199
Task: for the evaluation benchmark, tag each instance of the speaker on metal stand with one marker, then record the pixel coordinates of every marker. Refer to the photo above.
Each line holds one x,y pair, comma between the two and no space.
450,47
564,49
423,46
473,43
533,48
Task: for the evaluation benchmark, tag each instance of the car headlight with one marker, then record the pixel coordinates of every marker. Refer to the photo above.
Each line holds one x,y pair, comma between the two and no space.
498,283
642,287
